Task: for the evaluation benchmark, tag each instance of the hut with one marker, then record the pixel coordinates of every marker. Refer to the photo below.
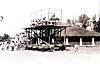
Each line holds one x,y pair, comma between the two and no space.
81,36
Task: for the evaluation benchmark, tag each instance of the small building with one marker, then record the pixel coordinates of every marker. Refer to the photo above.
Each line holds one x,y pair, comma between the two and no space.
81,36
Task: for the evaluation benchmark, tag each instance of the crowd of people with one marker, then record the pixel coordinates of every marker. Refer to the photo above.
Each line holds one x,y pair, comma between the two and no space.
9,46
14,45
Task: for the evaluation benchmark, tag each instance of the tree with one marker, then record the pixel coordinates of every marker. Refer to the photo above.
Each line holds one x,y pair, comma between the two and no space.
97,26
94,19
83,19
74,21
68,21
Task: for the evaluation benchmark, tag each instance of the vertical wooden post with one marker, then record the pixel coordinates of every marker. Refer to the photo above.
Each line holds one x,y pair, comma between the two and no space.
80,41
64,40
61,15
54,35
49,35
65,36
38,41
93,43
41,14
48,13
26,33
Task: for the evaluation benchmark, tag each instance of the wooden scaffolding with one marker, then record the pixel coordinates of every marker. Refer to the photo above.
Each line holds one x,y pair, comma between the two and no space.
44,30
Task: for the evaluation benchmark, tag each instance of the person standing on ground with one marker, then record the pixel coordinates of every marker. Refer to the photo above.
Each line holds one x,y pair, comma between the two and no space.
12,45
76,47
3,46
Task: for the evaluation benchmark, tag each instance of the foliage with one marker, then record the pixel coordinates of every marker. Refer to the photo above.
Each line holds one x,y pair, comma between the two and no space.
68,21
97,26
83,19
94,17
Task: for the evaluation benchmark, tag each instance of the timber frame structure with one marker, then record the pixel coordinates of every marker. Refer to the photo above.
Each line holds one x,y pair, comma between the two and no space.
44,30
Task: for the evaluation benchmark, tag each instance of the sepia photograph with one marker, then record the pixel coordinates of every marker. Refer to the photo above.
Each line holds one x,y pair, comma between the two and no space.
49,31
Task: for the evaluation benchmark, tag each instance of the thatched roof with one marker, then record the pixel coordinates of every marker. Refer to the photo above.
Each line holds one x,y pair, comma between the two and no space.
76,31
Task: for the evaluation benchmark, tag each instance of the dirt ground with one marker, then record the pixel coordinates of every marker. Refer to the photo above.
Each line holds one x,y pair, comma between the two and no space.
85,55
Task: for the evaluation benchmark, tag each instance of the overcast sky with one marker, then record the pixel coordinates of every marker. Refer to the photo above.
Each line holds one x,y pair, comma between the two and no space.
16,13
